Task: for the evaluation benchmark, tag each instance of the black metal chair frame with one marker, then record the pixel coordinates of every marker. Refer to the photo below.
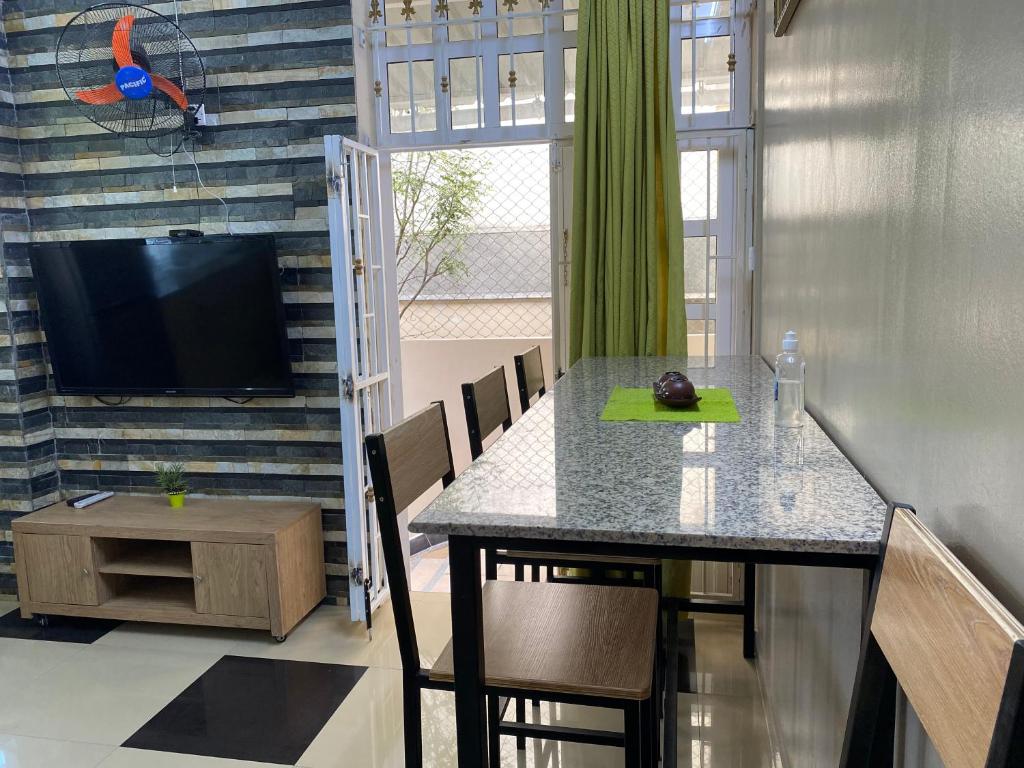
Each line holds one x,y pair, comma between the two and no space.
524,394
640,735
871,723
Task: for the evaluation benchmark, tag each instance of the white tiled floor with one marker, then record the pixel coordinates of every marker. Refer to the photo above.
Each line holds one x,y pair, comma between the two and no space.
74,704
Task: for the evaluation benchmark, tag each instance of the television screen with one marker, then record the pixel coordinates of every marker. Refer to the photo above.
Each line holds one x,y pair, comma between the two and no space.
173,316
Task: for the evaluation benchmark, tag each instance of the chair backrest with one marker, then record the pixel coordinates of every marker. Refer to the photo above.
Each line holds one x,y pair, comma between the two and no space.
529,376
405,461
956,652
486,401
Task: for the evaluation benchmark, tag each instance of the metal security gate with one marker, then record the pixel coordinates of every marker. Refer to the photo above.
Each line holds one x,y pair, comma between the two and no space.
365,319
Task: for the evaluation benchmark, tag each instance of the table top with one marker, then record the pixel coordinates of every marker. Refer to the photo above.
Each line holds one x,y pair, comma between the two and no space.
560,473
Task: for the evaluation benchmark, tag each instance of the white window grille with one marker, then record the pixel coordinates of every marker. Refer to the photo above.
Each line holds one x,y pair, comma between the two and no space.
452,72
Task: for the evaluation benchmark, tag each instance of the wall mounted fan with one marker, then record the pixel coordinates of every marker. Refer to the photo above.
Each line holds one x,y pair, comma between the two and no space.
131,70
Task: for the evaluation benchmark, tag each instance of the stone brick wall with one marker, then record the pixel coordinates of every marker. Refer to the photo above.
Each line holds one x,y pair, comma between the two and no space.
28,470
280,76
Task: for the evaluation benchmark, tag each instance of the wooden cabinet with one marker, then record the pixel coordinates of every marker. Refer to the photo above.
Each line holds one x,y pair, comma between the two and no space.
219,562
60,568
231,579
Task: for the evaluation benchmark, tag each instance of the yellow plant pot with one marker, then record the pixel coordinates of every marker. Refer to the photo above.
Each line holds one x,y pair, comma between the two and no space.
176,500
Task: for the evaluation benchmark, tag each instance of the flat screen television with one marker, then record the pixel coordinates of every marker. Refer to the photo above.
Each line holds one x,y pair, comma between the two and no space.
171,316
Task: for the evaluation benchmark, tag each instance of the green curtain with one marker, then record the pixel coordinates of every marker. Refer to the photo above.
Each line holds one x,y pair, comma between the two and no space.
627,293
627,258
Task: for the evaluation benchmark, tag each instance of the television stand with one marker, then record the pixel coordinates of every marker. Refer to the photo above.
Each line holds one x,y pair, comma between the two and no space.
215,562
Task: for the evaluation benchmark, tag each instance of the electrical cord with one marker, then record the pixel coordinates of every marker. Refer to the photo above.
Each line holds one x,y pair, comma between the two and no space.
239,401
199,178
123,400
199,208
173,152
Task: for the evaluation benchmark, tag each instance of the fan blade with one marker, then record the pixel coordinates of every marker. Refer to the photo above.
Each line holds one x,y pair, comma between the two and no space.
165,85
108,94
122,41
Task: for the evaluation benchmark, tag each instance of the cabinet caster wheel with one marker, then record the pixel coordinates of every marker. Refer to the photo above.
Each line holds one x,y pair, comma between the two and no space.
43,620
280,638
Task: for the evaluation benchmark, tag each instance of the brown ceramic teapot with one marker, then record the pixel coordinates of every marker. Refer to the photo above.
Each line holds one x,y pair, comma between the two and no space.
675,389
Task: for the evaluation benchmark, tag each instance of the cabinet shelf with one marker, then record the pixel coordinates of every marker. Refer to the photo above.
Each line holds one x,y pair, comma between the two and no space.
171,559
154,596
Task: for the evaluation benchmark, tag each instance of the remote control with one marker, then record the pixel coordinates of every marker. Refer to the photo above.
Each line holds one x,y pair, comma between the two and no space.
81,502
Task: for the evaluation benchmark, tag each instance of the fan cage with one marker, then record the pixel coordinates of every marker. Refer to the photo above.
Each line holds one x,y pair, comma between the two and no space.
85,60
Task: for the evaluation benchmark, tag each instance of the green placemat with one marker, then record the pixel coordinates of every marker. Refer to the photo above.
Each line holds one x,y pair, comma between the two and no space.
638,404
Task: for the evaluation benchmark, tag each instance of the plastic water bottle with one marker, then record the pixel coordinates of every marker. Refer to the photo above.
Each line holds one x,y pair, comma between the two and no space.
789,383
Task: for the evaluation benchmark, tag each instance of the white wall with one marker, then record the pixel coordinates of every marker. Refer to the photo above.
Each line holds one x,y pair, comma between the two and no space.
892,240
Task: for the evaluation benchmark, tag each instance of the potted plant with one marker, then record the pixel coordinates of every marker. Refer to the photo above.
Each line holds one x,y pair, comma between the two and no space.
170,478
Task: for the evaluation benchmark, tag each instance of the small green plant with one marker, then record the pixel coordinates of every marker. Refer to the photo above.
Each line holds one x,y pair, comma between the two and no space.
170,478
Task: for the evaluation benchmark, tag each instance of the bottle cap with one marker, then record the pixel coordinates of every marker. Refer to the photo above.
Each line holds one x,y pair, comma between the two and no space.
790,343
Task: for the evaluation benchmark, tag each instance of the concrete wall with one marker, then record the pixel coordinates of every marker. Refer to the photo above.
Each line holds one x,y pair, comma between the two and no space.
279,76
893,222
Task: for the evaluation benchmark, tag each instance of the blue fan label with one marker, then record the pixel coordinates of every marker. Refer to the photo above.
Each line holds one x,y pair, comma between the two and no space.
134,82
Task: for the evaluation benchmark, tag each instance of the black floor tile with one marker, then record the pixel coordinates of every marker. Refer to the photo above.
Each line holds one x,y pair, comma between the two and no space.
61,629
244,708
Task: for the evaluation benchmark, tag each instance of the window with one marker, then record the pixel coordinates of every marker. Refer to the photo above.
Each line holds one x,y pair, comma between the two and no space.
705,81
569,83
452,71
521,88
411,96
711,63
457,71
464,78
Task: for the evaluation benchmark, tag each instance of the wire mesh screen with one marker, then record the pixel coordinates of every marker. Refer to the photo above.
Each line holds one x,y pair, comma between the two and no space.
472,235
698,177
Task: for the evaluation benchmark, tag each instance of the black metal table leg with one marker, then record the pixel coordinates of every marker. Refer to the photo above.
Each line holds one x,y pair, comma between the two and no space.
493,730
520,718
468,651
491,565
649,735
671,687
749,592
634,735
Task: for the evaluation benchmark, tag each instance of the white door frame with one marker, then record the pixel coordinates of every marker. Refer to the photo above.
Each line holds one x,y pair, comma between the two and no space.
561,251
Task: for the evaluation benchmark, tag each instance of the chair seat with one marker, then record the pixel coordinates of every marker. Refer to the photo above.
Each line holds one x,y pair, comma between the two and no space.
557,557
566,638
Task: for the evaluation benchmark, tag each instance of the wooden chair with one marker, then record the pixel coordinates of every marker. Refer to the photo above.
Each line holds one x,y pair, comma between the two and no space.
955,651
529,376
569,643
487,408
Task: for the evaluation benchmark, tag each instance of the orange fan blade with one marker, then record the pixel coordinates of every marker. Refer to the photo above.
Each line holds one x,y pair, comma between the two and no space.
122,41
165,85
108,94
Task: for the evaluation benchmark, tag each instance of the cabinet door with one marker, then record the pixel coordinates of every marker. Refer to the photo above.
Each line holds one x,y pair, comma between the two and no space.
59,568
231,579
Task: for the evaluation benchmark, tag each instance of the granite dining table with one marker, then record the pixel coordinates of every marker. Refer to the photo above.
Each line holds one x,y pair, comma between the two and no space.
563,480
